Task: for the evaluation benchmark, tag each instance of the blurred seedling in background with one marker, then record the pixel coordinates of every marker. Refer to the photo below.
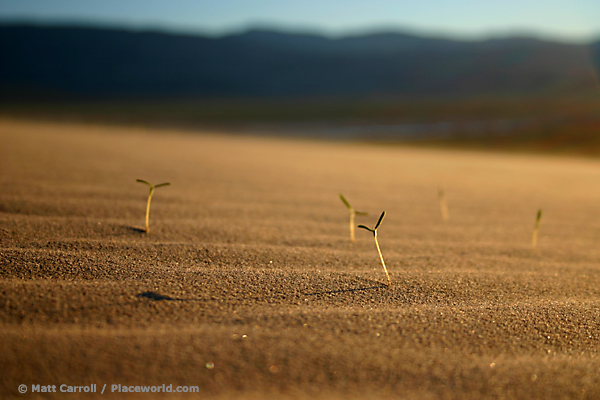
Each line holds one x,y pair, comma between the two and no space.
443,203
152,188
374,231
353,213
535,230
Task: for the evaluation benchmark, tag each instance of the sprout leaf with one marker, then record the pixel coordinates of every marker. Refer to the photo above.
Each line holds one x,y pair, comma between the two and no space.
379,222
367,228
345,202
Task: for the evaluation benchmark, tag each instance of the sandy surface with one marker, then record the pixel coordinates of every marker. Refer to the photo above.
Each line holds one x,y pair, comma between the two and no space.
248,285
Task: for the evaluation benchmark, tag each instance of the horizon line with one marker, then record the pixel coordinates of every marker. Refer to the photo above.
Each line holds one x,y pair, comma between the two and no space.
298,30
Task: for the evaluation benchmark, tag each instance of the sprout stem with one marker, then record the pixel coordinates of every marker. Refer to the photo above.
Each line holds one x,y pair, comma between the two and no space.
443,203
535,231
152,187
352,235
374,232
381,257
148,209
353,213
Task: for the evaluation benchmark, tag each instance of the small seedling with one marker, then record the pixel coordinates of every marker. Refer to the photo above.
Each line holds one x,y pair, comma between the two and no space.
374,231
443,203
353,213
152,187
535,230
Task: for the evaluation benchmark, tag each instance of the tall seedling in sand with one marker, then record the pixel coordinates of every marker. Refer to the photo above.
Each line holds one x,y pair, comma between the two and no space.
353,213
443,203
152,187
374,231
535,230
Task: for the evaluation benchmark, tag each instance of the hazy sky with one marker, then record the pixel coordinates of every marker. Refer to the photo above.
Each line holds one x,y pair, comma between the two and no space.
563,19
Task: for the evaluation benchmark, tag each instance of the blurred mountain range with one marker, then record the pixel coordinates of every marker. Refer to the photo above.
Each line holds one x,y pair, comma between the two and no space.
47,63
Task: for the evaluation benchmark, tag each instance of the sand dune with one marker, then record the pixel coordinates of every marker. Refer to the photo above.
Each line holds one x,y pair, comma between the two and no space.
248,285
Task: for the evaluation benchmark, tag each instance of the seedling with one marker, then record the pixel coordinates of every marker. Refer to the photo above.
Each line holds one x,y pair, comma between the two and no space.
374,231
535,230
443,203
353,213
152,187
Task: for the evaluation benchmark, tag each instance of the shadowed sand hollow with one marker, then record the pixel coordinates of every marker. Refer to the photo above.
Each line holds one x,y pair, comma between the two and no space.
248,286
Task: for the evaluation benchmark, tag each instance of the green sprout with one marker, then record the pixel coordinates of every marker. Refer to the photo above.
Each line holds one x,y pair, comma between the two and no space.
152,187
443,202
374,231
535,230
353,212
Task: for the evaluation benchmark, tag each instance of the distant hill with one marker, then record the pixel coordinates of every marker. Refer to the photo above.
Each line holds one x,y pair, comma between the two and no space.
86,63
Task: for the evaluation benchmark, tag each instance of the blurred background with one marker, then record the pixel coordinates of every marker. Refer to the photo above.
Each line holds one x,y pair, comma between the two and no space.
503,75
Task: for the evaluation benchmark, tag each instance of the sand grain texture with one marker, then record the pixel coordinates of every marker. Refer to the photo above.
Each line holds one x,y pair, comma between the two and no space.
248,285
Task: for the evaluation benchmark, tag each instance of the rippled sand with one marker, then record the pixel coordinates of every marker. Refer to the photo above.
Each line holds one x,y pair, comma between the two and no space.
249,287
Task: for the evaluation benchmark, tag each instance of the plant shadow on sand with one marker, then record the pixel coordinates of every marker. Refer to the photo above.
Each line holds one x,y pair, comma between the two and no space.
340,291
160,297
134,229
